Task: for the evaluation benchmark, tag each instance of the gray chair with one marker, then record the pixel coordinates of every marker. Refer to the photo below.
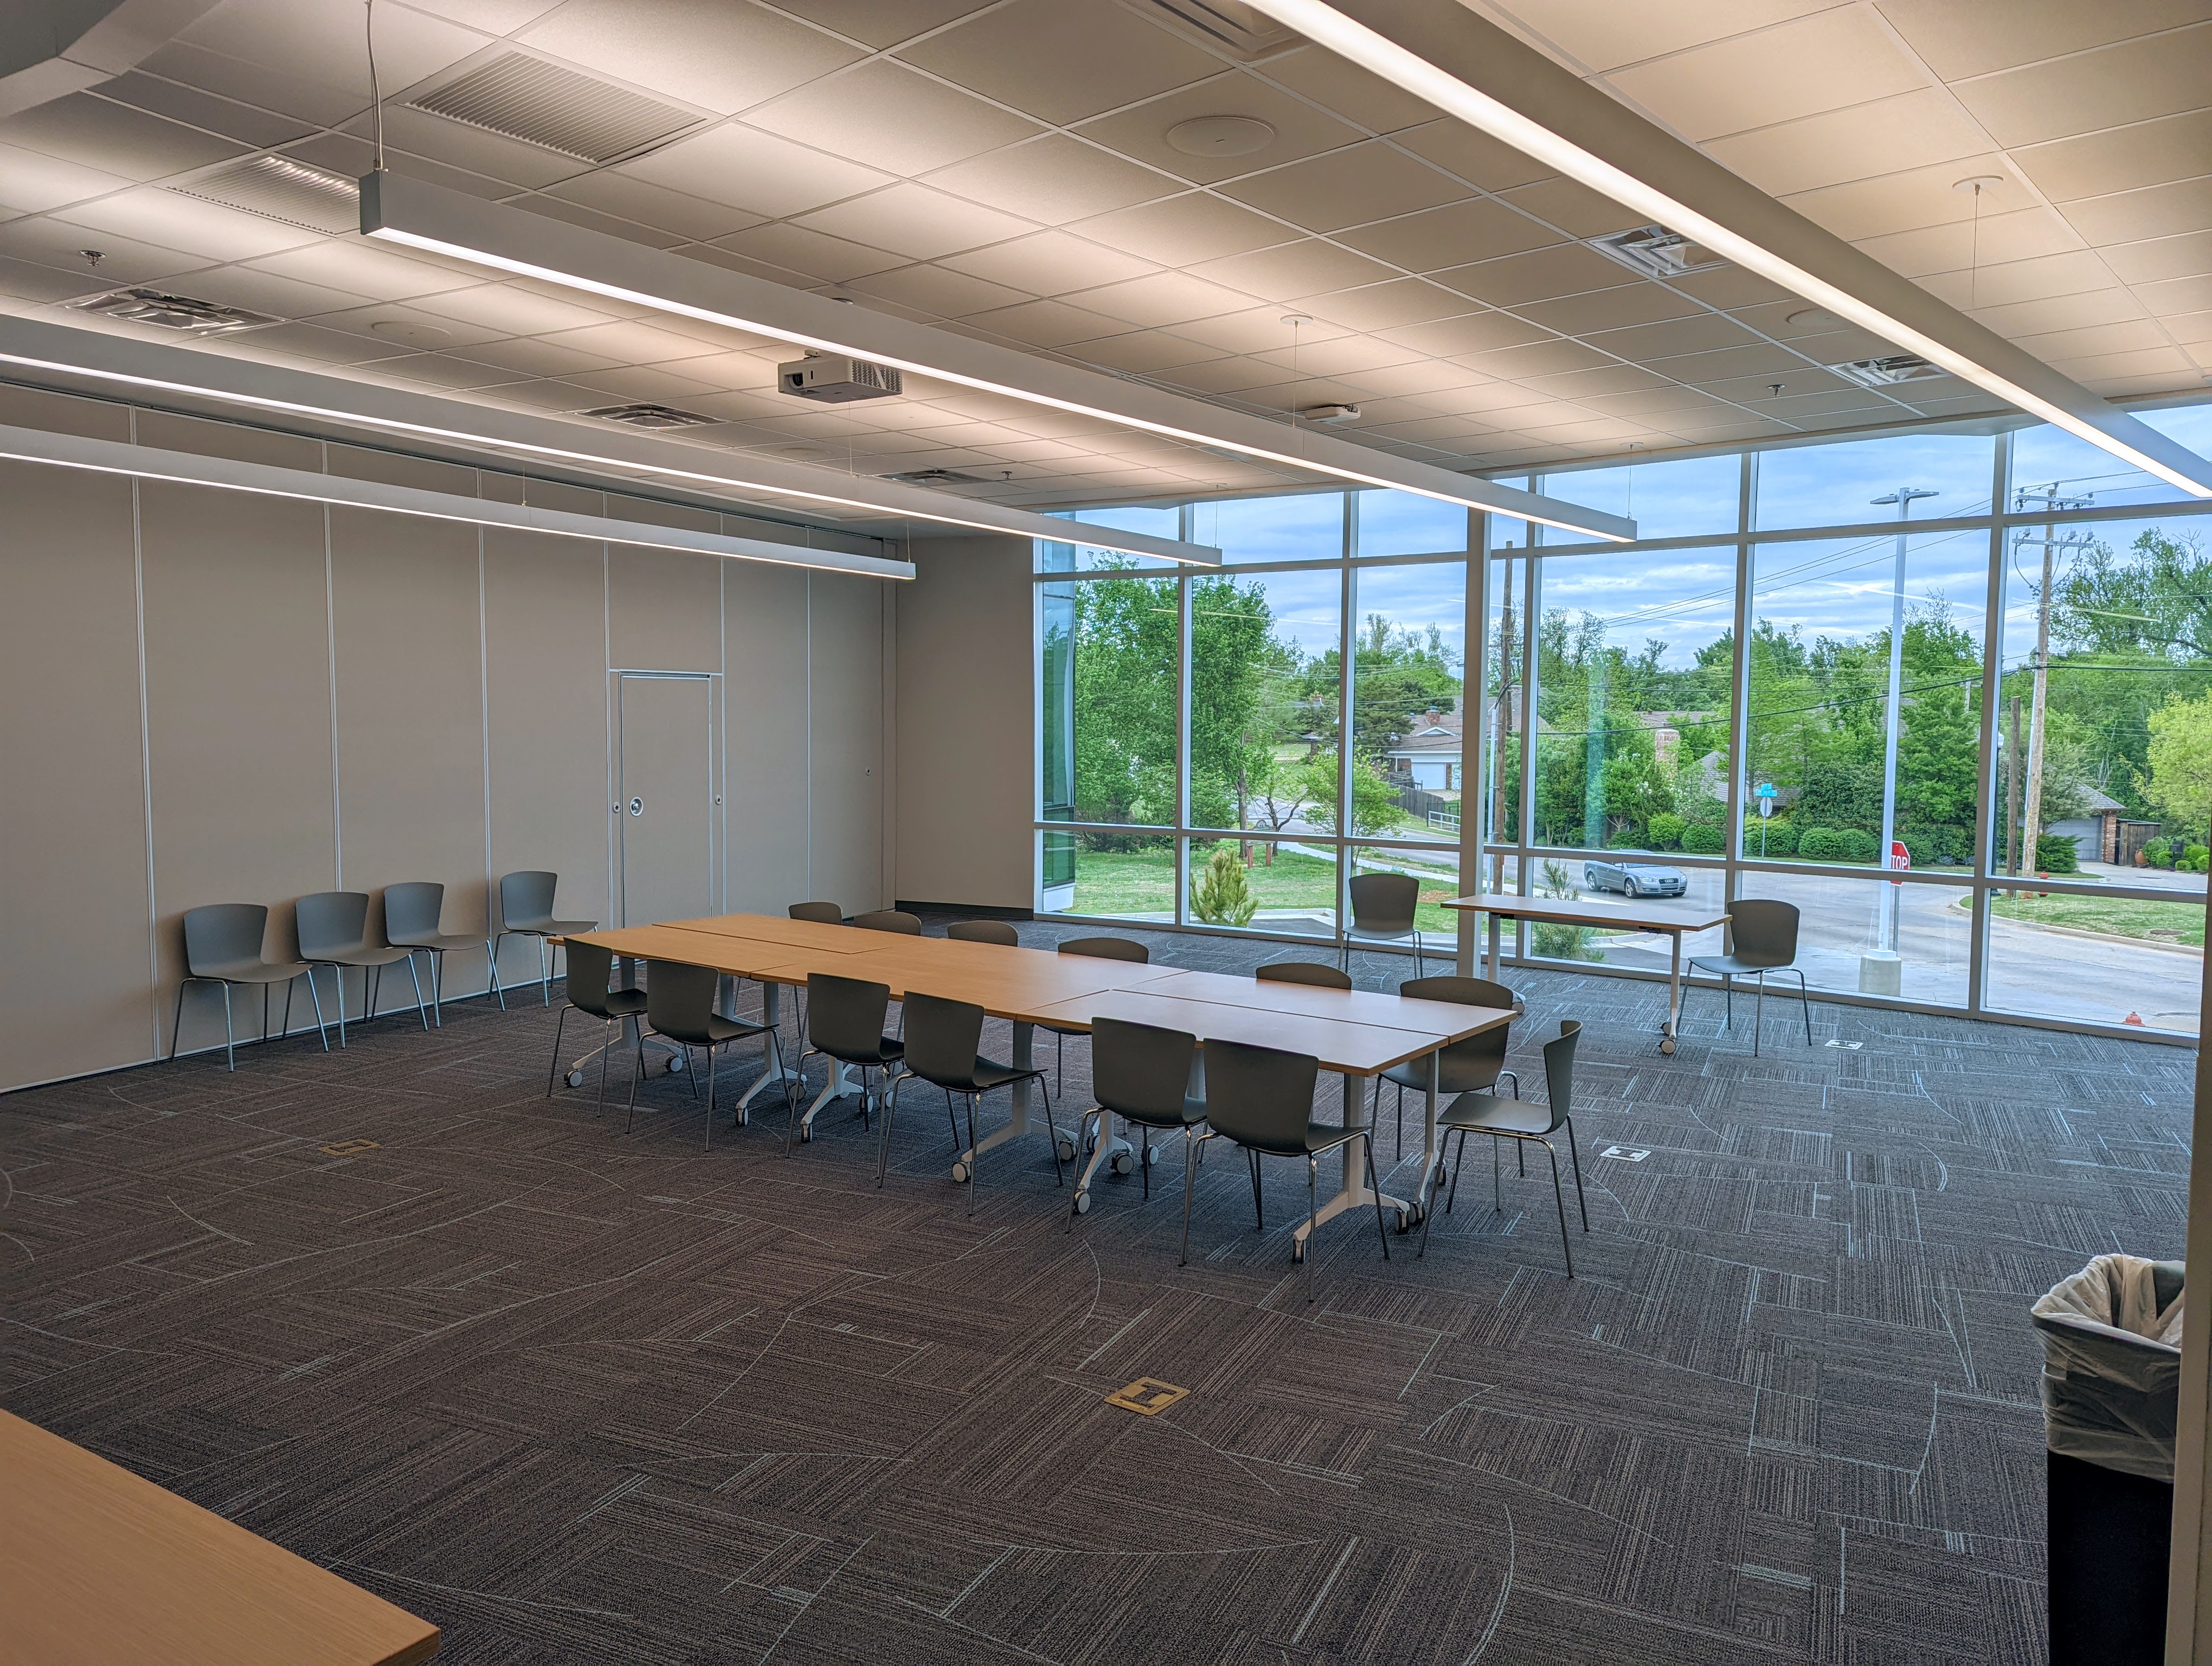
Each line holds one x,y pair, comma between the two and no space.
1382,911
845,1019
591,970
1517,1119
334,932
679,1005
1303,971
822,914
984,931
1472,1065
1261,1099
944,1048
1762,937
222,945
412,916
889,920
1152,1078
526,909
1094,948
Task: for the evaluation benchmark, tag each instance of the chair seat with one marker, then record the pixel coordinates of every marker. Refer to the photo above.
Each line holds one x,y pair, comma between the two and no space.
620,1003
440,942
1382,934
253,971
889,1050
989,1073
1488,1113
362,955
1194,1113
1319,1137
546,926
1735,965
717,1030
1414,1072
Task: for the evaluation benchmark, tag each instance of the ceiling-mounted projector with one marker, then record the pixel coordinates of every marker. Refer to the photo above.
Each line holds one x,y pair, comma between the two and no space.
835,379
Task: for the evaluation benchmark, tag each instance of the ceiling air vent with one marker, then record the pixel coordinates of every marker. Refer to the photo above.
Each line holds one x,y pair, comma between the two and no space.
648,415
1889,371
167,312
277,188
1655,252
520,97
1238,29
939,477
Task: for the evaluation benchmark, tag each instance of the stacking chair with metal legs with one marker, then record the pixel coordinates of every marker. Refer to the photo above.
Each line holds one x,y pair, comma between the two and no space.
334,932
679,1005
1303,971
412,913
1149,1076
822,914
1261,1099
944,1048
222,945
984,931
845,1019
1472,1065
889,920
1762,937
1518,1120
1382,911
526,909
591,969
1094,948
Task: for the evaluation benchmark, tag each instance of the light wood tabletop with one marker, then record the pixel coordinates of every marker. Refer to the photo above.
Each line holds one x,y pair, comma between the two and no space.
1441,1020
1350,1049
794,933
99,1567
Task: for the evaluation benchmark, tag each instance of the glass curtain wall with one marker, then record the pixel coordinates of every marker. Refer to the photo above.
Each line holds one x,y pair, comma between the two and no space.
1949,693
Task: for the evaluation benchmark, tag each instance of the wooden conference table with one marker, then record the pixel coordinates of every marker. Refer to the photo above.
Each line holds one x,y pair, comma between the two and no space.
1637,916
1355,1035
99,1566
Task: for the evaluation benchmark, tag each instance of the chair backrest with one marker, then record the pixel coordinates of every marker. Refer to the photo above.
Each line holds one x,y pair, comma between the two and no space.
1259,1096
985,931
845,1016
1140,1069
591,971
332,923
1559,1070
526,897
1108,948
412,909
1763,932
1303,971
1383,903
1474,1063
822,914
889,920
678,999
223,934
942,1039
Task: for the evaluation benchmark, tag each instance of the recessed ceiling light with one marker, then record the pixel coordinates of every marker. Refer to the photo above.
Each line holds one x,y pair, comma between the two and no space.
1220,135
419,335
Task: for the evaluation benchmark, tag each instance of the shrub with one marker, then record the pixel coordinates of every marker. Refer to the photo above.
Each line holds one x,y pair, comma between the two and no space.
1222,895
2194,859
1856,844
2057,854
1952,843
1781,837
1920,845
1818,844
2159,853
1667,831
1704,839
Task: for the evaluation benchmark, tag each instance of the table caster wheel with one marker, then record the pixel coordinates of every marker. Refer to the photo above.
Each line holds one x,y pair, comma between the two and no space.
1123,1163
1297,1254
1066,1147
576,1079
675,1063
1667,1045
1404,1220
960,1174
1082,1203
1152,1154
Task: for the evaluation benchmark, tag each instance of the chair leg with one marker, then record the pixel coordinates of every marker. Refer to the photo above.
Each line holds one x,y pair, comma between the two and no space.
974,1157
545,987
264,1012
559,1025
1429,1215
288,983
1574,1152
177,1020
1375,1185
1052,1133
421,1011
713,1058
610,1037
321,1034
1451,1192
636,1076
1259,1215
1497,1191
491,956
1189,1184
1420,966
1520,1160
884,1143
791,1103
1313,1220
1804,1003
1082,1123
229,1039
1727,1001
1397,1140
1758,1013
1567,1247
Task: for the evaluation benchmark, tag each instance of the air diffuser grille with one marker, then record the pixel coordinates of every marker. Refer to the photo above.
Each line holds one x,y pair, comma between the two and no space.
182,312
525,98
939,477
1243,32
647,415
1888,371
277,188
1655,252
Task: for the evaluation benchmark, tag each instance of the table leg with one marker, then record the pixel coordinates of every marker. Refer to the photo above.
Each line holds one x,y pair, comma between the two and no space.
1496,977
772,1016
1673,994
1353,1193
1424,1188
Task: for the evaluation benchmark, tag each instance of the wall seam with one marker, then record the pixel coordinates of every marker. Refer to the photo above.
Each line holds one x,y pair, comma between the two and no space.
331,647
483,712
145,754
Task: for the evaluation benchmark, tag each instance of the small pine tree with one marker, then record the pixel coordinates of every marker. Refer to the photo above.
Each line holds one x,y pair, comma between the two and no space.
1222,895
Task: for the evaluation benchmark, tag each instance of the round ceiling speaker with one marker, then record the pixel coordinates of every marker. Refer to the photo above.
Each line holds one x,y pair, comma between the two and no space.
1220,135
1813,317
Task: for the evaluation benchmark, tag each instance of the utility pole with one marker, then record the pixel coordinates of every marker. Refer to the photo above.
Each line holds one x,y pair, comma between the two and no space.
2013,781
1503,726
2050,501
1882,973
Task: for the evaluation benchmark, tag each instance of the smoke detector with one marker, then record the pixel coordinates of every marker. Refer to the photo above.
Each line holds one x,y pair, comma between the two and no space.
186,313
1655,252
1888,371
646,414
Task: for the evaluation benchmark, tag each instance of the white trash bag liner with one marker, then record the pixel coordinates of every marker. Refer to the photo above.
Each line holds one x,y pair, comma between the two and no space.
2112,1367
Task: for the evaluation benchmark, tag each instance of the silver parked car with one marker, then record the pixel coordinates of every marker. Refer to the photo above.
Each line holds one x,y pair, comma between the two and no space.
1635,878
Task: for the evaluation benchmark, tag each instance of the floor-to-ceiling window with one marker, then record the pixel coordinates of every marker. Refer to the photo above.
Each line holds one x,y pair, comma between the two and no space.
1949,693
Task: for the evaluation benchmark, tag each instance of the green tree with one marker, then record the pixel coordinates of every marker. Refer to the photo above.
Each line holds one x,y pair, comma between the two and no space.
2180,755
1374,800
1220,895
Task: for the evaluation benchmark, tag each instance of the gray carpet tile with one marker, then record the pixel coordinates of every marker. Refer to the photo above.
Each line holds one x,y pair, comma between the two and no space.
576,1394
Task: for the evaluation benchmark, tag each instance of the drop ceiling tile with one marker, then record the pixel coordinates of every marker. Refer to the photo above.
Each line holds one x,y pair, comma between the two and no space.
2130,335
1182,231
1347,355
511,309
2020,280
2191,329
1259,330
915,221
884,115
1650,401
1704,332
826,259
679,213
1336,84
2177,295
1291,269
525,358
1346,187
749,169
1829,402
1233,375
1604,379
299,97
2187,256
1959,41
1758,359
402,329
27,281
1163,298
1729,287
195,108
1574,210
266,292
1389,305
1908,129
446,370
124,261
313,343
2154,361
1605,36
1824,61
1475,332
364,268
1062,63
1429,428
608,225
2131,217
1541,358
1054,179
937,290
727,56
1638,302
1541,275
1420,376
2132,80
114,138
1471,155
2024,235
2144,152
1141,352
1049,263
1757,390
1909,200
31,181
627,343
1455,236
1300,129
2076,312
1045,322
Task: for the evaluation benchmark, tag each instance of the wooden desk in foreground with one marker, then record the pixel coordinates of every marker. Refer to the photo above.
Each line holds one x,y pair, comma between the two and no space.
99,1568
1640,916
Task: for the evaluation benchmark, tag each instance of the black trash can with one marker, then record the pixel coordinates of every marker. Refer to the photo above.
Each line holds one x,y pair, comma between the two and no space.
2110,1384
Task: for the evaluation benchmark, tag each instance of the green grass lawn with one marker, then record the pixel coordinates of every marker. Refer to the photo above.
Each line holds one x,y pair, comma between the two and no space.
1143,882
2175,923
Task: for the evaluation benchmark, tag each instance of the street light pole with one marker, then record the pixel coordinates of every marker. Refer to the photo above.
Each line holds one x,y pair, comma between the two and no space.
1882,973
